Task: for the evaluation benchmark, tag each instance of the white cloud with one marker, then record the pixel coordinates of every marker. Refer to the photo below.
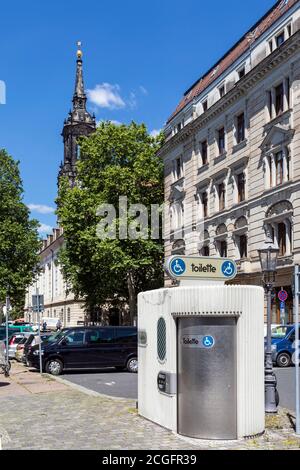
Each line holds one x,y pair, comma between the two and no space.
155,132
143,90
132,102
106,95
41,209
44,229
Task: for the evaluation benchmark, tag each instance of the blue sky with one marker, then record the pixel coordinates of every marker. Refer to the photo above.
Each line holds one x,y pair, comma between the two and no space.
139,58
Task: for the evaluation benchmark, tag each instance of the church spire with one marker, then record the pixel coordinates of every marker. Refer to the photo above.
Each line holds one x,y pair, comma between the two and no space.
78,123
79,86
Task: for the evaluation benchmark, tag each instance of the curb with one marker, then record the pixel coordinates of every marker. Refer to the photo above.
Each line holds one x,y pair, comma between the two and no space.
87,391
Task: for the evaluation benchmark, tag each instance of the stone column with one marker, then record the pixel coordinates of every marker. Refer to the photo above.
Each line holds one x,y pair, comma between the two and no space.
285,95
287,224
267,172
273,170
273,110
285,165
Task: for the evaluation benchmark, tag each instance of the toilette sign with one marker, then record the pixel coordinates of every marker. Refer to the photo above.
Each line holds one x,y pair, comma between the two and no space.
188,267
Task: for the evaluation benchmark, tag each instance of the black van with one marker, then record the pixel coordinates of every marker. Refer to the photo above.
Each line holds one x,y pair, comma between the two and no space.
88,348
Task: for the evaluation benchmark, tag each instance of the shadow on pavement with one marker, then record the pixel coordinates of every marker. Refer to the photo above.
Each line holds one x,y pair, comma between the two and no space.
3,384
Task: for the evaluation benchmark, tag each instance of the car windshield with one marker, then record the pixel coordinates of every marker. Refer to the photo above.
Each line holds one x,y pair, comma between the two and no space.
279,331
55,337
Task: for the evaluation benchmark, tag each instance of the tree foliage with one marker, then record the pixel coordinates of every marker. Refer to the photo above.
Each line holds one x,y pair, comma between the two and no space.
114,161
19,244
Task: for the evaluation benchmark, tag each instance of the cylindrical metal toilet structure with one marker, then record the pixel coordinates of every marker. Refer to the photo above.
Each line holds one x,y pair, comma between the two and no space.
201,360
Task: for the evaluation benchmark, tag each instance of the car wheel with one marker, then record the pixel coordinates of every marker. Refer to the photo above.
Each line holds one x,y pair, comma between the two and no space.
54,367
283,360
132,365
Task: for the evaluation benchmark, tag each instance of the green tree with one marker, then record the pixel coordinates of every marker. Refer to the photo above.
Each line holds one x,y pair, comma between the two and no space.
19,243
114,161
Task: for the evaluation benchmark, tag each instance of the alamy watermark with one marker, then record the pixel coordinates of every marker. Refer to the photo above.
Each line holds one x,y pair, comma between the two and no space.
158,221
2,92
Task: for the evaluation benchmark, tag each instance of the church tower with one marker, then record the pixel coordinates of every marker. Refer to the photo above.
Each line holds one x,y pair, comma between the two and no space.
78,123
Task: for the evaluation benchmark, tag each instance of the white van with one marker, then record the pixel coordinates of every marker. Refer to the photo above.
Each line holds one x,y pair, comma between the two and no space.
51,322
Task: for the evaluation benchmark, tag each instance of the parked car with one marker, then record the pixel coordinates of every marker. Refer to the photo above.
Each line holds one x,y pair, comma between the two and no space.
32,340
283,338
88,348
20,350
13,342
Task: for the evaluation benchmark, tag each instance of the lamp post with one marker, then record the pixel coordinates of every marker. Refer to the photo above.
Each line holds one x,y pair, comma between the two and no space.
268,259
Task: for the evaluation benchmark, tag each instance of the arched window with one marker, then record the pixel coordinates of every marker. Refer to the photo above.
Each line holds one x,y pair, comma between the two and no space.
278,226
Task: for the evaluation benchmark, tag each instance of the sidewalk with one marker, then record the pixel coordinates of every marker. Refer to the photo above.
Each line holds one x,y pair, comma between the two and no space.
41,413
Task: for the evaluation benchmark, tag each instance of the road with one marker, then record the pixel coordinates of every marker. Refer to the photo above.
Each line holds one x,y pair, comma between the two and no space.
124,384
106,381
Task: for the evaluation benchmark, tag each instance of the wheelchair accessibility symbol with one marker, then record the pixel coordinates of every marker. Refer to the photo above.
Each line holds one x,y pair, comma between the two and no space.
178,267
208,341
228,269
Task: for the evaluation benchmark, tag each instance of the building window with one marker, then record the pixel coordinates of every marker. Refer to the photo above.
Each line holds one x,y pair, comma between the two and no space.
205,106
289,30
221,140
242,72
241,187
223,249
240,128
221,194
204,154
279,167
205,250
243,249
222,91
204,200
280,39
282,239
177,169
69,315
279,93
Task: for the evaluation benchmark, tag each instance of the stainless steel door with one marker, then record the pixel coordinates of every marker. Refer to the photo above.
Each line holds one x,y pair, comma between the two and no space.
207,400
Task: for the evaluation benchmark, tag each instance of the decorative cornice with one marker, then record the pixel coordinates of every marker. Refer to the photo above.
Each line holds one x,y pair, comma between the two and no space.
240,89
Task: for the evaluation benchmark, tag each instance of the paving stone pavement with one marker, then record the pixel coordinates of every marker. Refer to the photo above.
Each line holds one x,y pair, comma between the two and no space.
68,419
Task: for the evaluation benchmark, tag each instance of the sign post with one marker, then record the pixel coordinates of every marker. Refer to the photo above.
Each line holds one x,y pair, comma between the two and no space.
282,296
6,326
38,306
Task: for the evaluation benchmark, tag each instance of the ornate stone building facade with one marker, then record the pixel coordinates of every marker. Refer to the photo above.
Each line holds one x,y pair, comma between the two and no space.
232,154
58,298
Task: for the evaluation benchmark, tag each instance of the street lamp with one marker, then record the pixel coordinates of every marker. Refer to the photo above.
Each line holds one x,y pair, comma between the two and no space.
268,259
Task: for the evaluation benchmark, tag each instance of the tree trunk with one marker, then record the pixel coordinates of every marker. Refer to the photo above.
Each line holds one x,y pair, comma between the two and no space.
132,297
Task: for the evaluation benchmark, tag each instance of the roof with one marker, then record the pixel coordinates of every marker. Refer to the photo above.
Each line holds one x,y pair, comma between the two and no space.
260,27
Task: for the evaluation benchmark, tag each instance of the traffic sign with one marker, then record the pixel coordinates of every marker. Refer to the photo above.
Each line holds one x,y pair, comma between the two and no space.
37,303
282,305
282,295
189,267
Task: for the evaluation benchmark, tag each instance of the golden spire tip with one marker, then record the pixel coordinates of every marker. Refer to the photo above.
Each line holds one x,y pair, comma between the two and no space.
79,51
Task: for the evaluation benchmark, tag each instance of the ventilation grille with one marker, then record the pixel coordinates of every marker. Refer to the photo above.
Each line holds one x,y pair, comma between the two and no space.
161,340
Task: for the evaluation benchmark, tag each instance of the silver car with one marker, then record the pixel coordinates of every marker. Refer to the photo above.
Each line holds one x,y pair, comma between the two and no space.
13,343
